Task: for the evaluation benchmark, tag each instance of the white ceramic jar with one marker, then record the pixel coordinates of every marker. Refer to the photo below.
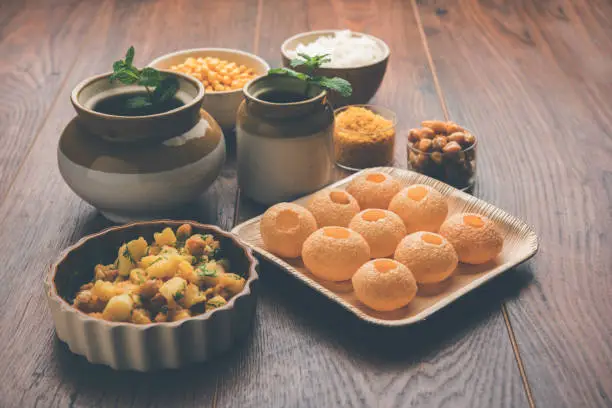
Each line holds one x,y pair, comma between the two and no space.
139,167
285,149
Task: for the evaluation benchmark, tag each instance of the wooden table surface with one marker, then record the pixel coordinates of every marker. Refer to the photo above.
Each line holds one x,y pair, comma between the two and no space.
532,78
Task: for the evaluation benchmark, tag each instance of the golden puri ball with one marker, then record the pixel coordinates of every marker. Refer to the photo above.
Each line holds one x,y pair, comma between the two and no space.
475,237
382,229
285,227
373,189
333,207
429,256
335,253
422,208
384,285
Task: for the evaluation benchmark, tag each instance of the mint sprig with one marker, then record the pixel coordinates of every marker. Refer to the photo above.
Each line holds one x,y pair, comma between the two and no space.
310,64
160,88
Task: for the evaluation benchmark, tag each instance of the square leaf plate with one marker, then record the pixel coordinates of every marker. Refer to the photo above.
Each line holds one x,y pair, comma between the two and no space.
520,244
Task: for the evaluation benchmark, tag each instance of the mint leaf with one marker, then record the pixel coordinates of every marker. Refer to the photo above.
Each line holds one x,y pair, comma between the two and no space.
165,86
129,56
149,77
342,86
126,75
310,64
289,72
166,89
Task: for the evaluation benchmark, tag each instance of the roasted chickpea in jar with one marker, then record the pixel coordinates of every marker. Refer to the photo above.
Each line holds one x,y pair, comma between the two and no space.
443,150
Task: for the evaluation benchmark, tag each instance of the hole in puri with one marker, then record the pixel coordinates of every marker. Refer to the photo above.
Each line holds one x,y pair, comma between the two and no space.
431,239
376,177
417,193
337,232
339,197
384,265
473,221
287,220
373,215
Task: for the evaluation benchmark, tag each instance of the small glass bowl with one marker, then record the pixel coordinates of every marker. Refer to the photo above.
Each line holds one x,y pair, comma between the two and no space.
356,150
457,169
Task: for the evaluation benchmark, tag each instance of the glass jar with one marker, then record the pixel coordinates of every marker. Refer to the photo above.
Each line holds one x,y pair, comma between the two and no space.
284,132
456,168
356,147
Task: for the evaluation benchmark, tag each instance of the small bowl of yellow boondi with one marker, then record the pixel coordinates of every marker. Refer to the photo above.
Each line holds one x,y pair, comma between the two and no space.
222,71
364,136
333,207
382,229
475,237
421,207
384,285
373,189
284,227
429,256
335,253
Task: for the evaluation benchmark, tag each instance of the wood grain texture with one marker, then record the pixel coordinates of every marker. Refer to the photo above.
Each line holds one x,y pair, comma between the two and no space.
41,216
532,79
307,351
39,43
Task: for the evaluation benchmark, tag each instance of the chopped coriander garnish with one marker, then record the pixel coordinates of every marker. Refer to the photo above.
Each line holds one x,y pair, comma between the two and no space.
205,271
156,261
128,255
178,296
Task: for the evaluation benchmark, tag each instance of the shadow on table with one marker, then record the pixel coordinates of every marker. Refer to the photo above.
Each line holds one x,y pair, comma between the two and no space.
401,344
317,318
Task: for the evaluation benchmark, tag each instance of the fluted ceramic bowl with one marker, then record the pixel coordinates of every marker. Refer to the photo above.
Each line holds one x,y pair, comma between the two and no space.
128,346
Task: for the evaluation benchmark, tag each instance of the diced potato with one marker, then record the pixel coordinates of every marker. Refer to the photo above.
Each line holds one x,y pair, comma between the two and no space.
138,276
161,317
186,271
125,287
193,296
168,250
183,232
137,248
149,260
129,255
173,290
124,263
141,316
166,237
104,290
165,268
215,302
119,308
210,273
232,282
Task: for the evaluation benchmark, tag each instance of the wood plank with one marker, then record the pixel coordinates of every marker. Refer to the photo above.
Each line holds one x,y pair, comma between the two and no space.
308,352
533,80
39,42
41,216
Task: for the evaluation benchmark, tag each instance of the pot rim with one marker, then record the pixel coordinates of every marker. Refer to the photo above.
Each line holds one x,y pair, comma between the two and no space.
74,97
248,95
